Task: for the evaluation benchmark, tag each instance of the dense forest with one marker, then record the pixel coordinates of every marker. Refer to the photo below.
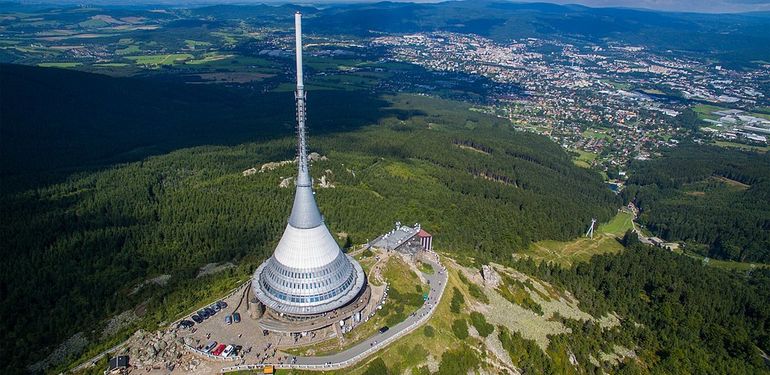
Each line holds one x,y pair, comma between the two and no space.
76,250
707,195
683,317
59,122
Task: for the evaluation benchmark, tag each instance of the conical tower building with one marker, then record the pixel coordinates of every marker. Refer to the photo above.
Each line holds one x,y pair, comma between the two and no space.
308,274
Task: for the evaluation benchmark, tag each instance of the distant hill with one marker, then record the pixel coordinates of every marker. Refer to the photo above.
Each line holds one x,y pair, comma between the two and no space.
732,38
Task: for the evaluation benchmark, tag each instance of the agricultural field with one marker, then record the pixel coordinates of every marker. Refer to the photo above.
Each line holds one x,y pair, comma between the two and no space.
618,85
59,65
742,146
592,133
209,58
159,60
584,158
705,111
132,49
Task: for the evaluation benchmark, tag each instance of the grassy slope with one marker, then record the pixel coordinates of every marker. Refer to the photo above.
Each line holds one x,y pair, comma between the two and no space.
584,159
418,349
582,249
415,348
399,278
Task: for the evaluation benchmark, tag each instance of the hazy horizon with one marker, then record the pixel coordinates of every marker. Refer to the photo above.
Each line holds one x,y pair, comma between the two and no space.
694,6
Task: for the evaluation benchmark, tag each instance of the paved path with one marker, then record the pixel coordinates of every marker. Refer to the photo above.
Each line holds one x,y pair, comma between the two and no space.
380,340
91,362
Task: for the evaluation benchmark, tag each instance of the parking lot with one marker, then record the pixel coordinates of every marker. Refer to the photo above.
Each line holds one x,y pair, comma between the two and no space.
256,345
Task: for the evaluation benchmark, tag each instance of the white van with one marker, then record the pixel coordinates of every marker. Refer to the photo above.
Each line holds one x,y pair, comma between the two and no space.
228,350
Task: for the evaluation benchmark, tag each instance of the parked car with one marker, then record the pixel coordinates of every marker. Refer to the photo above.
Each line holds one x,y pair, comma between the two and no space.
237,349
236,317
228,350
222,304
196,318
215,307
384,329
204,314
229,319
210,346
219,349
185,324
210,311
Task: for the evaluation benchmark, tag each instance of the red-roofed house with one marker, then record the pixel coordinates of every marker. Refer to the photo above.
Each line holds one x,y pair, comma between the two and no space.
426,239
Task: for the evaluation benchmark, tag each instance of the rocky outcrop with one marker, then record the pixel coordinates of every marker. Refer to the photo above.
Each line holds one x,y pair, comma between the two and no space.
159,350
490,276
161,280
286,182
75,344
313,156
324,183
212,268
118,322
273,165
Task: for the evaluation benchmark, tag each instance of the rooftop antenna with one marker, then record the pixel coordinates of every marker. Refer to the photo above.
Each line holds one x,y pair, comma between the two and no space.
590,232
304,213
303,178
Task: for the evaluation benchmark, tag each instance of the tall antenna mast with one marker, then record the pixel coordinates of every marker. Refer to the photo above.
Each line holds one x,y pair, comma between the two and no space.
303,177
304,213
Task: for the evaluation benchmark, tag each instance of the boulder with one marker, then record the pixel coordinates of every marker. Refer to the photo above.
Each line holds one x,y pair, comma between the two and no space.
490,276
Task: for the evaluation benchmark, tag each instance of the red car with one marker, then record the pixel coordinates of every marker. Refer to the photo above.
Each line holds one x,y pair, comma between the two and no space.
219,349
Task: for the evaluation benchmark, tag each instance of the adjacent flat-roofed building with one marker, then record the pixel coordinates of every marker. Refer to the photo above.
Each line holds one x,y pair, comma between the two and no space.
405,239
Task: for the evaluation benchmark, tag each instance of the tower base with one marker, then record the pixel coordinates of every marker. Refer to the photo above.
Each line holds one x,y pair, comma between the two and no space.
275,321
